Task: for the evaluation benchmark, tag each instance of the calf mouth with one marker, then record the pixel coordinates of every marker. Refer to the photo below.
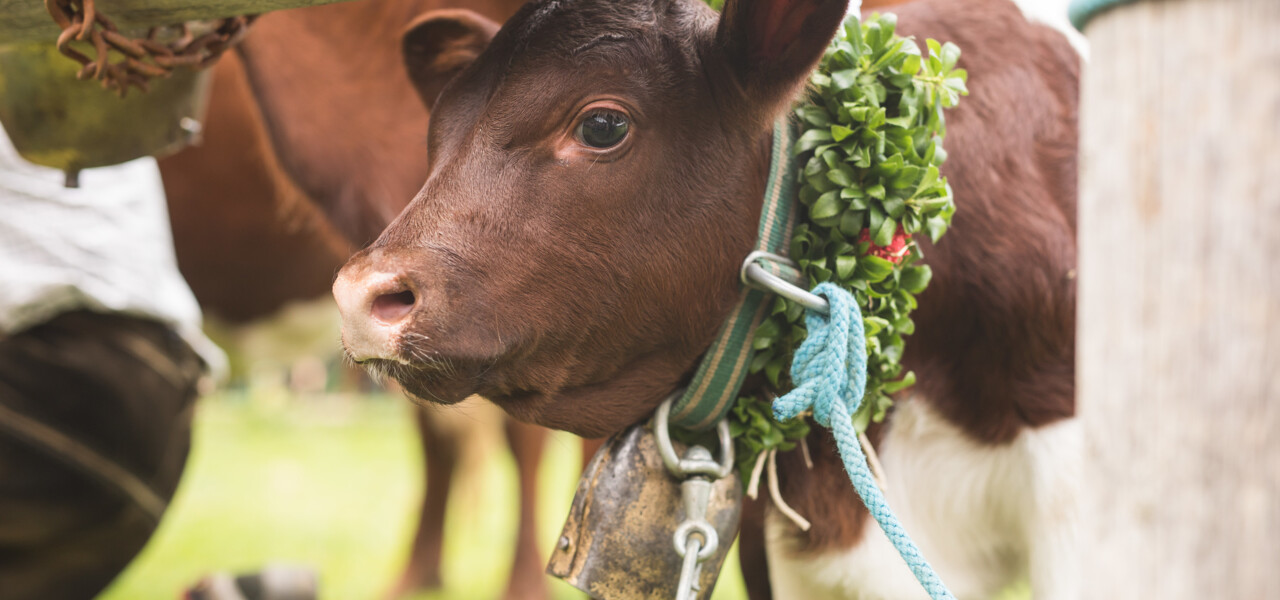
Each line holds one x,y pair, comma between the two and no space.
426,377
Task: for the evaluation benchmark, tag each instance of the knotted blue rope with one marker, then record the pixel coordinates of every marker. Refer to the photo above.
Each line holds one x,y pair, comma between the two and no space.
830,376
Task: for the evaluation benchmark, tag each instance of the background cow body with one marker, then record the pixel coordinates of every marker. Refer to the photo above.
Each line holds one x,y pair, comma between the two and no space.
574,281
309,150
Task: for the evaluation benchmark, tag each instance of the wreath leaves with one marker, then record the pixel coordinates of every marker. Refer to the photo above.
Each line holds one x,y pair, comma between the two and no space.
871,144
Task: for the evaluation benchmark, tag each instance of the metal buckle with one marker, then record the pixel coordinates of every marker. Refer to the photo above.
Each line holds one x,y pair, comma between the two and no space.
755,276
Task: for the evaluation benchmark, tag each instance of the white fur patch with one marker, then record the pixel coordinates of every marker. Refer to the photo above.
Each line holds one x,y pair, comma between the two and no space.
984,516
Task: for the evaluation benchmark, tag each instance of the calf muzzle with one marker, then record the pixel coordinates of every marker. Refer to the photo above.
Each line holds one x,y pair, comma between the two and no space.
376,308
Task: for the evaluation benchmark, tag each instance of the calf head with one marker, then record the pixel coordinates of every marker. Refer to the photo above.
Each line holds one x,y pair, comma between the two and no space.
594,184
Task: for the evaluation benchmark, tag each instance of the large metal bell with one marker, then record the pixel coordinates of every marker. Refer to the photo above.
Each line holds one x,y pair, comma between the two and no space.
617,542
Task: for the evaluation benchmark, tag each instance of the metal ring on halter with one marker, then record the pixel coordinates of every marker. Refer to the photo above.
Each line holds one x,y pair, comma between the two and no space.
756,276
685,467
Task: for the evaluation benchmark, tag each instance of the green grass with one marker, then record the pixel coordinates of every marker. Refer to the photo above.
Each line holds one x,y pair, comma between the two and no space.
334,485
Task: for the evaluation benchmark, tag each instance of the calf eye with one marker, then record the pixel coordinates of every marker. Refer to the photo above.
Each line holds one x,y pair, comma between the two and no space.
603,129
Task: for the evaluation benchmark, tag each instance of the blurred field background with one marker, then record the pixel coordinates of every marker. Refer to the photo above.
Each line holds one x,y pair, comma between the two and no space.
333,482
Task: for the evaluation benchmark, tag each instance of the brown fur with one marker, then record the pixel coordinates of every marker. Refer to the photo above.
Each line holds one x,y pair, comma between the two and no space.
247,240
579,300
607,309
333,92
576,290
266,215
302,166
995,344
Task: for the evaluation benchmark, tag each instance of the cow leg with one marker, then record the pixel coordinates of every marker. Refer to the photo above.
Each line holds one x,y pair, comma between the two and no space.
441,448
751,551
527,580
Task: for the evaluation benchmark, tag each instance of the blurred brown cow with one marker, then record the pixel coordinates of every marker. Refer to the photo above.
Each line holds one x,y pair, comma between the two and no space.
314,141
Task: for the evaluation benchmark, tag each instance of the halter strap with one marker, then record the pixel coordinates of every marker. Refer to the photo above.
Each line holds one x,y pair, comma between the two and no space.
715,385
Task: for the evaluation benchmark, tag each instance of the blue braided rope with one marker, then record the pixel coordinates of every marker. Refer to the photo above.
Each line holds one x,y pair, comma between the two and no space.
835,350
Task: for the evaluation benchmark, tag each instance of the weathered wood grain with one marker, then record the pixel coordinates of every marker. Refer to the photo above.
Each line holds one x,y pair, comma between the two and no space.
28,21
1179,335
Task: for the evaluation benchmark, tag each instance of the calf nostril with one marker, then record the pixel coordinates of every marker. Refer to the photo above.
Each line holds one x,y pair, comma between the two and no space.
391,308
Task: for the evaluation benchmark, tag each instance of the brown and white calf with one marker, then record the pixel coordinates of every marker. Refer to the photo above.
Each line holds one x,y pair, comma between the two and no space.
595,178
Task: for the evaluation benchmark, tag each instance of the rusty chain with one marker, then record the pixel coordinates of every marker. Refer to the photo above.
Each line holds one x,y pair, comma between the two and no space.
143,58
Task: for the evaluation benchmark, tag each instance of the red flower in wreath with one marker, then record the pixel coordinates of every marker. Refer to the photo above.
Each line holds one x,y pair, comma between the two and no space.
894,252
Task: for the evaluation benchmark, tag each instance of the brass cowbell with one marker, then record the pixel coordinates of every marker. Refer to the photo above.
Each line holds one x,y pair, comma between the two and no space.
617,541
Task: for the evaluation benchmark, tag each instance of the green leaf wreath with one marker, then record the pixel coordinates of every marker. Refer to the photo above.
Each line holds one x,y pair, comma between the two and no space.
870,146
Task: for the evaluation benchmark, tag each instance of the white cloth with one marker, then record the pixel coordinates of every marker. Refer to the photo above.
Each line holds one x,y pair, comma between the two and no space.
105,246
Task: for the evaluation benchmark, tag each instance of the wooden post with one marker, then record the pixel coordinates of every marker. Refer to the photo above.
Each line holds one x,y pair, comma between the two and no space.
29,21
1179,321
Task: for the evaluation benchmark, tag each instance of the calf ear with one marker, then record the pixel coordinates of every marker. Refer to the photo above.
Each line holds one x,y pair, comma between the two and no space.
441,43
772,45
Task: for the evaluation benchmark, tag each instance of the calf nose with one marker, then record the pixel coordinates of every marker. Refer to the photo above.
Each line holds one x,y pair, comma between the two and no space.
374,307
392,307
